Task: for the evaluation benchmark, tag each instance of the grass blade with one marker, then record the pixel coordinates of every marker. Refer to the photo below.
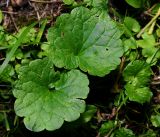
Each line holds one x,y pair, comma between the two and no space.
15,46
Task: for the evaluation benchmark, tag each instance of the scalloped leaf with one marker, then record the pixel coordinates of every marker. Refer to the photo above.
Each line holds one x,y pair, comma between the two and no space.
137,75
46,98
138,94
86,40
137,72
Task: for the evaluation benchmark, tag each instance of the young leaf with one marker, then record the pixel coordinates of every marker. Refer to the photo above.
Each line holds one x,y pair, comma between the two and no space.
46,98
124,132
149,133
155,119
100,4
7,74
20,40
106,128
130,44
137,75
132,24
155,8
135,3
88,114
138,94
83,39
137,72
148,47
68,2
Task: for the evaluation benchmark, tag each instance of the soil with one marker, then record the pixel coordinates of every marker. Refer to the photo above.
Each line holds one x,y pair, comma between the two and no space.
19,13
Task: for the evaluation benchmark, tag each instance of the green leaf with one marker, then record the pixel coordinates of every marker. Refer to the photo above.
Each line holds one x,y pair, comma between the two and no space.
46,98
158,32
1,117
130,44
40,33
106,127
148,41
135,3
124,132
155,119
85,40
19,41
30,36
132,24
148,47
137,75
18,54
68,2
155,8
45,48
138,94
149,133
88,114
7,74
1,16
100,4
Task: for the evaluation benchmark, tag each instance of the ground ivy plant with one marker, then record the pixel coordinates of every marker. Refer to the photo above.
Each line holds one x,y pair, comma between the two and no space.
51,72
137,76
46,98
86,40
82,39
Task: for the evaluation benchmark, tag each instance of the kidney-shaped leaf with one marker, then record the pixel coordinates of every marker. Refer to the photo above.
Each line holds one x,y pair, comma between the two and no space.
85,40
46,98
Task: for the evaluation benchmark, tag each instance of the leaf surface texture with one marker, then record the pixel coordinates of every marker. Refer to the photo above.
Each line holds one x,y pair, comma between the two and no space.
86,40
46,98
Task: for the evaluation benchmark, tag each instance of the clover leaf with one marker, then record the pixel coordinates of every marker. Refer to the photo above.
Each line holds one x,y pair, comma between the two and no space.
137,75
84,39
46,98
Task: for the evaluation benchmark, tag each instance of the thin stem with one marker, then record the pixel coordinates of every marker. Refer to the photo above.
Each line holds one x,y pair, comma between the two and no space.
157,44
154,56
6,122
149,23
152,28
15,120
109,133
122,103
119,75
